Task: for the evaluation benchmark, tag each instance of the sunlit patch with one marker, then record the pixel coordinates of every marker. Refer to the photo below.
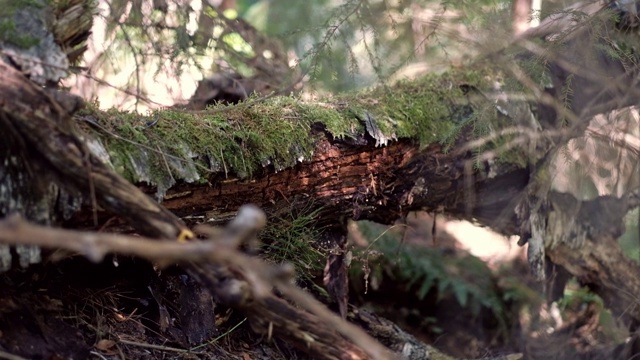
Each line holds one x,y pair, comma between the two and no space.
185,235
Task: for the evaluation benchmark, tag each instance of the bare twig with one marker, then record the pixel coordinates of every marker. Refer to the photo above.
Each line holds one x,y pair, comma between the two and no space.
152,346
94,246
220,250
8,356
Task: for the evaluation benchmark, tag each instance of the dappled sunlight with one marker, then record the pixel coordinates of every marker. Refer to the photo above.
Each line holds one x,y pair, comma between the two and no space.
119,79
484,243
479,241
311,163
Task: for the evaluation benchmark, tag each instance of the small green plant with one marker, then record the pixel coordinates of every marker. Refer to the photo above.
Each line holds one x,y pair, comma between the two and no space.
575,296
423,270
293,238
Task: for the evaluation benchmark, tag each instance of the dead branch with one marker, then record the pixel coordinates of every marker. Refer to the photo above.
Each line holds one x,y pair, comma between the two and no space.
252,289
94,246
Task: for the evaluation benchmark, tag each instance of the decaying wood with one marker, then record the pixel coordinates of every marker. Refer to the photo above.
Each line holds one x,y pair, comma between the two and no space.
360,182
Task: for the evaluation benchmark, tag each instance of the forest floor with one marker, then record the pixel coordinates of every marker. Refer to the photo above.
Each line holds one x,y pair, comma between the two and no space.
124,308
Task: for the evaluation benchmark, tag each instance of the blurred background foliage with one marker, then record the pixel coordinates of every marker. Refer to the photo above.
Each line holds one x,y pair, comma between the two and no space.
332,45
327,45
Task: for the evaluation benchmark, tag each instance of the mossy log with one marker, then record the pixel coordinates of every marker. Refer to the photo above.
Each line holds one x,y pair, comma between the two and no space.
373,155
280,155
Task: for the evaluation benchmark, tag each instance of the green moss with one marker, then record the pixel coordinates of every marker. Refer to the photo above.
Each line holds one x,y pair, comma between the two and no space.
239,141
8,32
236,140
293,238
424,110
9,35
8,7
334,121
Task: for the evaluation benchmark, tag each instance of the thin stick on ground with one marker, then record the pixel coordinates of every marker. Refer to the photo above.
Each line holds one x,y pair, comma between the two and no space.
220,251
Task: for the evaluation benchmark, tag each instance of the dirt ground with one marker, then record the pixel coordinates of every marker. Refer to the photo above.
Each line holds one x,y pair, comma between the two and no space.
125,308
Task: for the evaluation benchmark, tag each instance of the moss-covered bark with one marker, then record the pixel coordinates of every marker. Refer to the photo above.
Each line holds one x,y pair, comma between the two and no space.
363,155
256,137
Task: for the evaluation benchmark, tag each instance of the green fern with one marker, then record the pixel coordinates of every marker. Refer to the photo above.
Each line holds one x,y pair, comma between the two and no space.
424,270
